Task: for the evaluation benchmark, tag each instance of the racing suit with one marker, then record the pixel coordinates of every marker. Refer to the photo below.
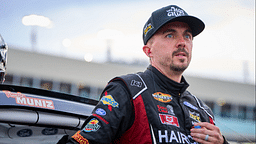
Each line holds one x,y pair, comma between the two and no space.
143,108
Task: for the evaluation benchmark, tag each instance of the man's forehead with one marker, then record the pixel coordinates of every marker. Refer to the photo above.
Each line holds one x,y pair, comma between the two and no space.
175,24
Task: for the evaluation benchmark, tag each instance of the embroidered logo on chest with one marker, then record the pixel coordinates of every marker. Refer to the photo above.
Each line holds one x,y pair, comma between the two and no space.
190,105
169,120
162,97
195,116
168,109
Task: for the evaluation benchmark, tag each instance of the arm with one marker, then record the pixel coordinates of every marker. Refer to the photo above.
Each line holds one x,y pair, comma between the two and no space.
112,116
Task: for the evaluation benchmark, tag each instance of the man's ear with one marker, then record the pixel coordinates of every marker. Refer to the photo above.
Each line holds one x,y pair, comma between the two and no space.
147,50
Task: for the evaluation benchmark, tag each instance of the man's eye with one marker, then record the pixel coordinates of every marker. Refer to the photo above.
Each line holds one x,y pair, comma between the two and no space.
187,36
169,36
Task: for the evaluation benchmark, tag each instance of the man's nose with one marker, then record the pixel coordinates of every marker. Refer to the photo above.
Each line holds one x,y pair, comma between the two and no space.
181,42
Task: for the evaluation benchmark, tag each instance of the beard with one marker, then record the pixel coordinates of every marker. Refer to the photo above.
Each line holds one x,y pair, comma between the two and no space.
176,68
179,68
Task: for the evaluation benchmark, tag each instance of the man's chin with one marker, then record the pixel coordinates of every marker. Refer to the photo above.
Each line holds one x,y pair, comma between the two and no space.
179,68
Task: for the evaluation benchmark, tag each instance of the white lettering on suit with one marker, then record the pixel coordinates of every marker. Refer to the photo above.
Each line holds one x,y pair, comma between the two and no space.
174,136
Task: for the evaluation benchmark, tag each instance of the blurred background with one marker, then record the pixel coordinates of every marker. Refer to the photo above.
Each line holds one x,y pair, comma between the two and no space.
84,29
77,46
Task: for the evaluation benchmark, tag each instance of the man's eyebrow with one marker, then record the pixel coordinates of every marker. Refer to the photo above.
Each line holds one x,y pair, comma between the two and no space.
173,30
188,30
169,30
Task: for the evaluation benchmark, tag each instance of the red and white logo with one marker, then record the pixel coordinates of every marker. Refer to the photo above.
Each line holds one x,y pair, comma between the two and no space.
169,120
162,109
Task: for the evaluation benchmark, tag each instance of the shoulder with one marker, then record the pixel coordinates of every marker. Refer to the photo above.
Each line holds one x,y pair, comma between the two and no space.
134,83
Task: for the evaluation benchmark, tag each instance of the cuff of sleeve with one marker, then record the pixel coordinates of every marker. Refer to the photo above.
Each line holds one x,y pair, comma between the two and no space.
225,141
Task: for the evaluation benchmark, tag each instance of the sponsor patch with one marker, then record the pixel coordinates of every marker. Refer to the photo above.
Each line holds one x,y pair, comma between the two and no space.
80,139
190,105
100,111
22,99
136,83
195,116
170,109
169,120
162,97
109,100
162,109
147,28
92,126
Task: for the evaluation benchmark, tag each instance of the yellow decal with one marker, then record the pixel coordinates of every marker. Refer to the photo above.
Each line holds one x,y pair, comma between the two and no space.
109,100
147,29
195,116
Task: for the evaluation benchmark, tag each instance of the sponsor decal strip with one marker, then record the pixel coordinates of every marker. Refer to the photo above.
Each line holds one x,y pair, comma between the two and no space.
34,102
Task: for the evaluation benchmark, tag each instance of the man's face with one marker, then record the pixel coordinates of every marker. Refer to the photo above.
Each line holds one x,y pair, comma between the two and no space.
171,47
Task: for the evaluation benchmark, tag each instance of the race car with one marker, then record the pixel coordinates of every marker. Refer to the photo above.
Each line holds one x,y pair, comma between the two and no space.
32,115
40,116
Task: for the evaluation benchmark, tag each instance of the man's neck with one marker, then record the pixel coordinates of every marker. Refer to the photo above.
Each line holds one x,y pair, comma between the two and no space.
173,75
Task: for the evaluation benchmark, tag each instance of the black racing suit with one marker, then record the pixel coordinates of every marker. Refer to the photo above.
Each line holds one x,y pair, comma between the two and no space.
142,108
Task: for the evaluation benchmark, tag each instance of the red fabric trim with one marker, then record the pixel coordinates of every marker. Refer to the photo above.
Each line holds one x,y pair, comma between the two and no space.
211,121
140,131
109,106
100,118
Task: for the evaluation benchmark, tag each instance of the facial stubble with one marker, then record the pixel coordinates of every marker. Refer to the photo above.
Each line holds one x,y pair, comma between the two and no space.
177,68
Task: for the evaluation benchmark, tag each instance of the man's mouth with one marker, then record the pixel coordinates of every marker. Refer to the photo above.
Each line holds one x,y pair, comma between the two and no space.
181,54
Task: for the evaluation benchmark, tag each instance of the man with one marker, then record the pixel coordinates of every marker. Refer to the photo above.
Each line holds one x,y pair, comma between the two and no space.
154,106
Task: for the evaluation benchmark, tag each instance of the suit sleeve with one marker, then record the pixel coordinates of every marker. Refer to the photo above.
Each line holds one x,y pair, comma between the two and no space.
111,117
